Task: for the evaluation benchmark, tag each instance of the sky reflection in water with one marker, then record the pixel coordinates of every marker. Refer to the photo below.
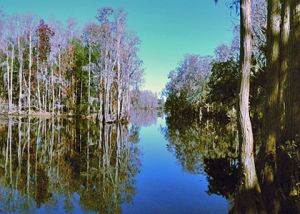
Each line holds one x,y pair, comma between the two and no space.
123,170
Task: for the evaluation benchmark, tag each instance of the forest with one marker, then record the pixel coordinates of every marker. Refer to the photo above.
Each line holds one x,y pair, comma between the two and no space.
254,84
50,68
80,133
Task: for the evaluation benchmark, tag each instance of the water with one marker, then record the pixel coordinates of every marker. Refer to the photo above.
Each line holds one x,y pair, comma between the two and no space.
155,164
163,186
62,165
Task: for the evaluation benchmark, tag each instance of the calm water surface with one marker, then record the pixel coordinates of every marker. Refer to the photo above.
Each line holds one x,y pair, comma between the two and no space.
60,165
163,186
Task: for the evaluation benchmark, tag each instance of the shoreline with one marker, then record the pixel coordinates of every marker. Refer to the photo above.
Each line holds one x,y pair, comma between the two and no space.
48,115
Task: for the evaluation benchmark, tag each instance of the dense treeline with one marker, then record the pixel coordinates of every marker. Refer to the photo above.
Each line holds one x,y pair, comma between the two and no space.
208,85
47,67
186,86
267,112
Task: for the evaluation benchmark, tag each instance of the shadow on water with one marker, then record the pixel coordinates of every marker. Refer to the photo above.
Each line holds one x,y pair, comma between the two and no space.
66,165
211,148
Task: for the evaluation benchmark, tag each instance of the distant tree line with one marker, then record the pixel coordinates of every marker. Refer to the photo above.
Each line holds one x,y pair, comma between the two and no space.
50,68
144,99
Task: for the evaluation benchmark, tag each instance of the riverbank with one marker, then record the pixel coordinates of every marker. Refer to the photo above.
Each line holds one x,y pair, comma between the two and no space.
48,115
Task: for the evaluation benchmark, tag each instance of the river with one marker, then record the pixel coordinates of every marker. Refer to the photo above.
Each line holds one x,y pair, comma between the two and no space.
64,165
155,164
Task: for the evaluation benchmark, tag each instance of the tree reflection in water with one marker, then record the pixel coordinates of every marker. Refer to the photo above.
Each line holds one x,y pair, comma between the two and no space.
62,163
211,147
144,117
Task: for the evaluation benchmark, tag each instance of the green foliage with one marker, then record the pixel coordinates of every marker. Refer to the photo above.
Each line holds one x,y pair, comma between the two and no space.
223,84
187,85
81,76
177,104
289,148
80,60
220,91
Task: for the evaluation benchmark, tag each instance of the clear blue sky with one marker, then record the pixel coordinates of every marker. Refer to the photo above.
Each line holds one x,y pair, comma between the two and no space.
168,29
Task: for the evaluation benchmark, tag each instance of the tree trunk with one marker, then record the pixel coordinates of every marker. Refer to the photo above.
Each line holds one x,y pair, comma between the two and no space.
8,79
52,87
247,200
106,103
29,76
271,114
59,83
119,87
89,83
247,156
284,36
20,74
293,95
45,91
11,75
38,83
100,100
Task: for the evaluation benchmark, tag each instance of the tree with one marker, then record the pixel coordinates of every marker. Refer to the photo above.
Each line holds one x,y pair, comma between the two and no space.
187,84
293,85
271,114
247,157
30,27
52,59
223,85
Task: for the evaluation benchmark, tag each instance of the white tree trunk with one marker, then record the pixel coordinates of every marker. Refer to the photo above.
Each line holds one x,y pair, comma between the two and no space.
38,84
89,81
52,87
11,74
20,75
29,76
59,85
247,157
8,79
